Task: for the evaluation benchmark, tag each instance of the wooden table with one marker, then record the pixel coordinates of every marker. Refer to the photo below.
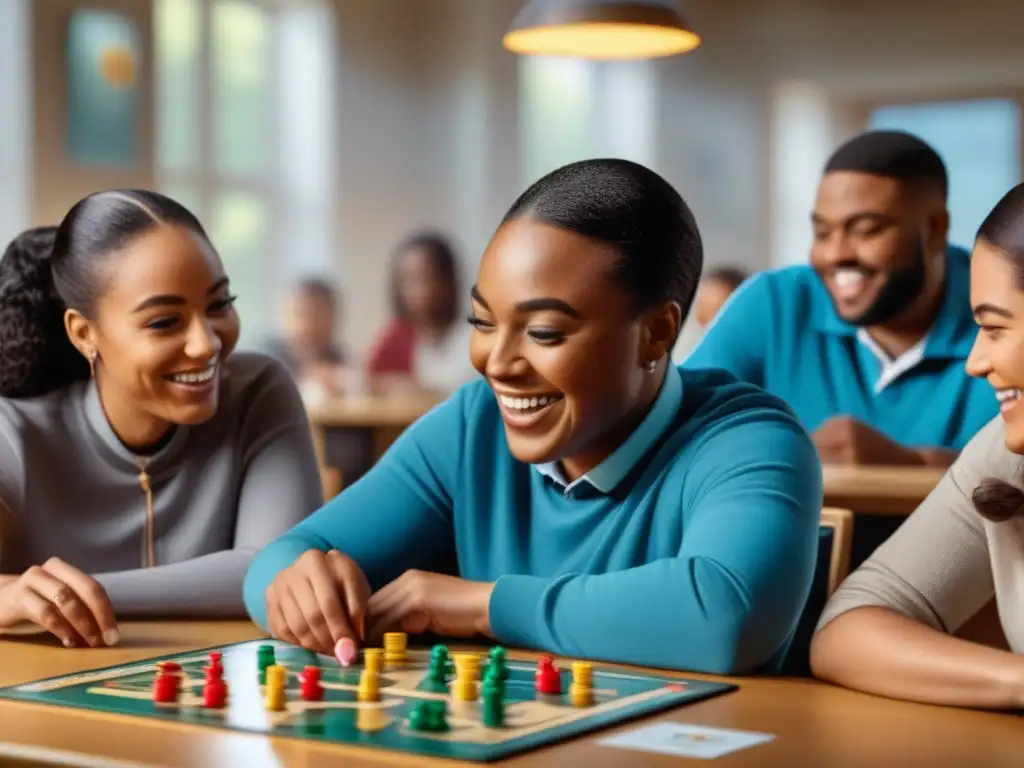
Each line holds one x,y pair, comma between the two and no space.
814,724
879,490
352,432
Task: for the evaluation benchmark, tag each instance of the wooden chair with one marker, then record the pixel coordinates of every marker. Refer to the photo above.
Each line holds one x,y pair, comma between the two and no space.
331,478
841,523
331,481
835,540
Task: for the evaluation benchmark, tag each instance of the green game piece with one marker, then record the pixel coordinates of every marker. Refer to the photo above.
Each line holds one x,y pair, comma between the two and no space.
436,680
428,716
264,658
494,704
437,712
419,717
496,662
439,656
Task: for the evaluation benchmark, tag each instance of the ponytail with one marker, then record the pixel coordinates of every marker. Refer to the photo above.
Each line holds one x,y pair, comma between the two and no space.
998,501
36,355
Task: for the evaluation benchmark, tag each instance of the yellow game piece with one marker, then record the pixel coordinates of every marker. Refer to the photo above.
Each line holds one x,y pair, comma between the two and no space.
372,719
583,673
276,675
467,673
581,690
369,686
464,688
580,696
373,659
395,645
467,664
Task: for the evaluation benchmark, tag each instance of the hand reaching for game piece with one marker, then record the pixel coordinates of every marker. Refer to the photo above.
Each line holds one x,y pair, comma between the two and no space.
62,600
419,601
318,600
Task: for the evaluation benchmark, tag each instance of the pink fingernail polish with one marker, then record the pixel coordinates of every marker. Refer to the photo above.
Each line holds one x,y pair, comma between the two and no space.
345,651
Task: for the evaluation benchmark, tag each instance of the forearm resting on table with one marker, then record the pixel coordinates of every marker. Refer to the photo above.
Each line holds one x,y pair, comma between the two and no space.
210,585
883,652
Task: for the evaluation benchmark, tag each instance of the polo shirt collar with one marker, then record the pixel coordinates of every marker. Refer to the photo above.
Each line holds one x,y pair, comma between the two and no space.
613,470
951,335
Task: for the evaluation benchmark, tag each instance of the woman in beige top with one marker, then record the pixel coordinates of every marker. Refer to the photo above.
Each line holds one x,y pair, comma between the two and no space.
888,628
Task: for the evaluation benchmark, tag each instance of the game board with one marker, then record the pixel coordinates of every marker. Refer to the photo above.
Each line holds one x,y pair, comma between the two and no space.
531,719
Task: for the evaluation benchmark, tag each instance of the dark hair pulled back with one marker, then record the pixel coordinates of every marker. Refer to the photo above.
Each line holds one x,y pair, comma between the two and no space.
631,208
48,270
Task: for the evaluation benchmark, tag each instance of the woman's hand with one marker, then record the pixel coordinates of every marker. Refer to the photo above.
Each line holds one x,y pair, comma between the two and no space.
419,601
318,600
62,600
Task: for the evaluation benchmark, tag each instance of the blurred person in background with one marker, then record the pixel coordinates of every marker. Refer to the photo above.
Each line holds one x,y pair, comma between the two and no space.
309,345
716,287
425,348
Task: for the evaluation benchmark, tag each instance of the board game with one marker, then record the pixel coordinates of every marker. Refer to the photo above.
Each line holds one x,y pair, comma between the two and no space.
472,707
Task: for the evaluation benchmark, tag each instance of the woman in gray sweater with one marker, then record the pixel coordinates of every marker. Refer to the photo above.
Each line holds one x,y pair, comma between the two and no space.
141,464
889,627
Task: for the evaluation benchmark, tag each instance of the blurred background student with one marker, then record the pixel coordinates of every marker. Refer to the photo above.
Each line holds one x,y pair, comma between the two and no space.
308,344
425,346
716,287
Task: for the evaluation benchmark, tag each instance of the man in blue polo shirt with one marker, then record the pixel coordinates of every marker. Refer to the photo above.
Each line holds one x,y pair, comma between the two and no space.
868,343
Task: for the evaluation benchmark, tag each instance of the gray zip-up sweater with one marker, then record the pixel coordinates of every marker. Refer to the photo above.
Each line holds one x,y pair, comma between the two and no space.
221,491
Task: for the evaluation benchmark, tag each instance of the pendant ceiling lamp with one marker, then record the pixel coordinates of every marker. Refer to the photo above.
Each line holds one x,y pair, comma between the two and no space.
601,29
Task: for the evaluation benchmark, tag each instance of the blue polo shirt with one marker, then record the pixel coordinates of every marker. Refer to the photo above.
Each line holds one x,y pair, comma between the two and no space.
693,546
781,332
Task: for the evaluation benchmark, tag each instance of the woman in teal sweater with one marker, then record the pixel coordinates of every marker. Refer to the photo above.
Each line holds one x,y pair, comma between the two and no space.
586,497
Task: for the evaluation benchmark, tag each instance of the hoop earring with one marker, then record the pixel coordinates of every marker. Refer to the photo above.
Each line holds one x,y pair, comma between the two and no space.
92,364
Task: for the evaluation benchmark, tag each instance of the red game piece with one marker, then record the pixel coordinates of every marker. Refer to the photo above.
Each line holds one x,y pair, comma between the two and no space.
309,684
547,676
215,693
215,662
165,688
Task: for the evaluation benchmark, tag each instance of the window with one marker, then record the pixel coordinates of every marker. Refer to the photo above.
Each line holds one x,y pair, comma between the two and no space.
980,142
573,110
16,105
557,97
243,102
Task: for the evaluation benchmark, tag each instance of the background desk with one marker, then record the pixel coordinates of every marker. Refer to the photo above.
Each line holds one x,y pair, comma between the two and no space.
879,490
352,432
814,724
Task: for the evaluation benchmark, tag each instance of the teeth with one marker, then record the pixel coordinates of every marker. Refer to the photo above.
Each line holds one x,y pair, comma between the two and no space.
849,277
1005,395
195,378
527,403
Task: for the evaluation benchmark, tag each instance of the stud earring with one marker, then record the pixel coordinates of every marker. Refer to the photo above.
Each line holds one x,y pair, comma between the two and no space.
650,365
92,363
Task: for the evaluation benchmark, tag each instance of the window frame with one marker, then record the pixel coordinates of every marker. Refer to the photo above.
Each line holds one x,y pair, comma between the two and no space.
209,184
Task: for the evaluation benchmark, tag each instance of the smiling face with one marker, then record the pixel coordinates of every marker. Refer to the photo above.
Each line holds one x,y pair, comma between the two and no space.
871,243
162,325
997,298
562,345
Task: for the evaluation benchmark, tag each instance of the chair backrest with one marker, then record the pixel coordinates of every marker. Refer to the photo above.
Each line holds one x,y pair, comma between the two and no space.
835,536
841,523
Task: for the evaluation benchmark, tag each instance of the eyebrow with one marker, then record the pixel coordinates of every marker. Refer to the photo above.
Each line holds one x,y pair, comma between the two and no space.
168,300
532,305
992,309
854,218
